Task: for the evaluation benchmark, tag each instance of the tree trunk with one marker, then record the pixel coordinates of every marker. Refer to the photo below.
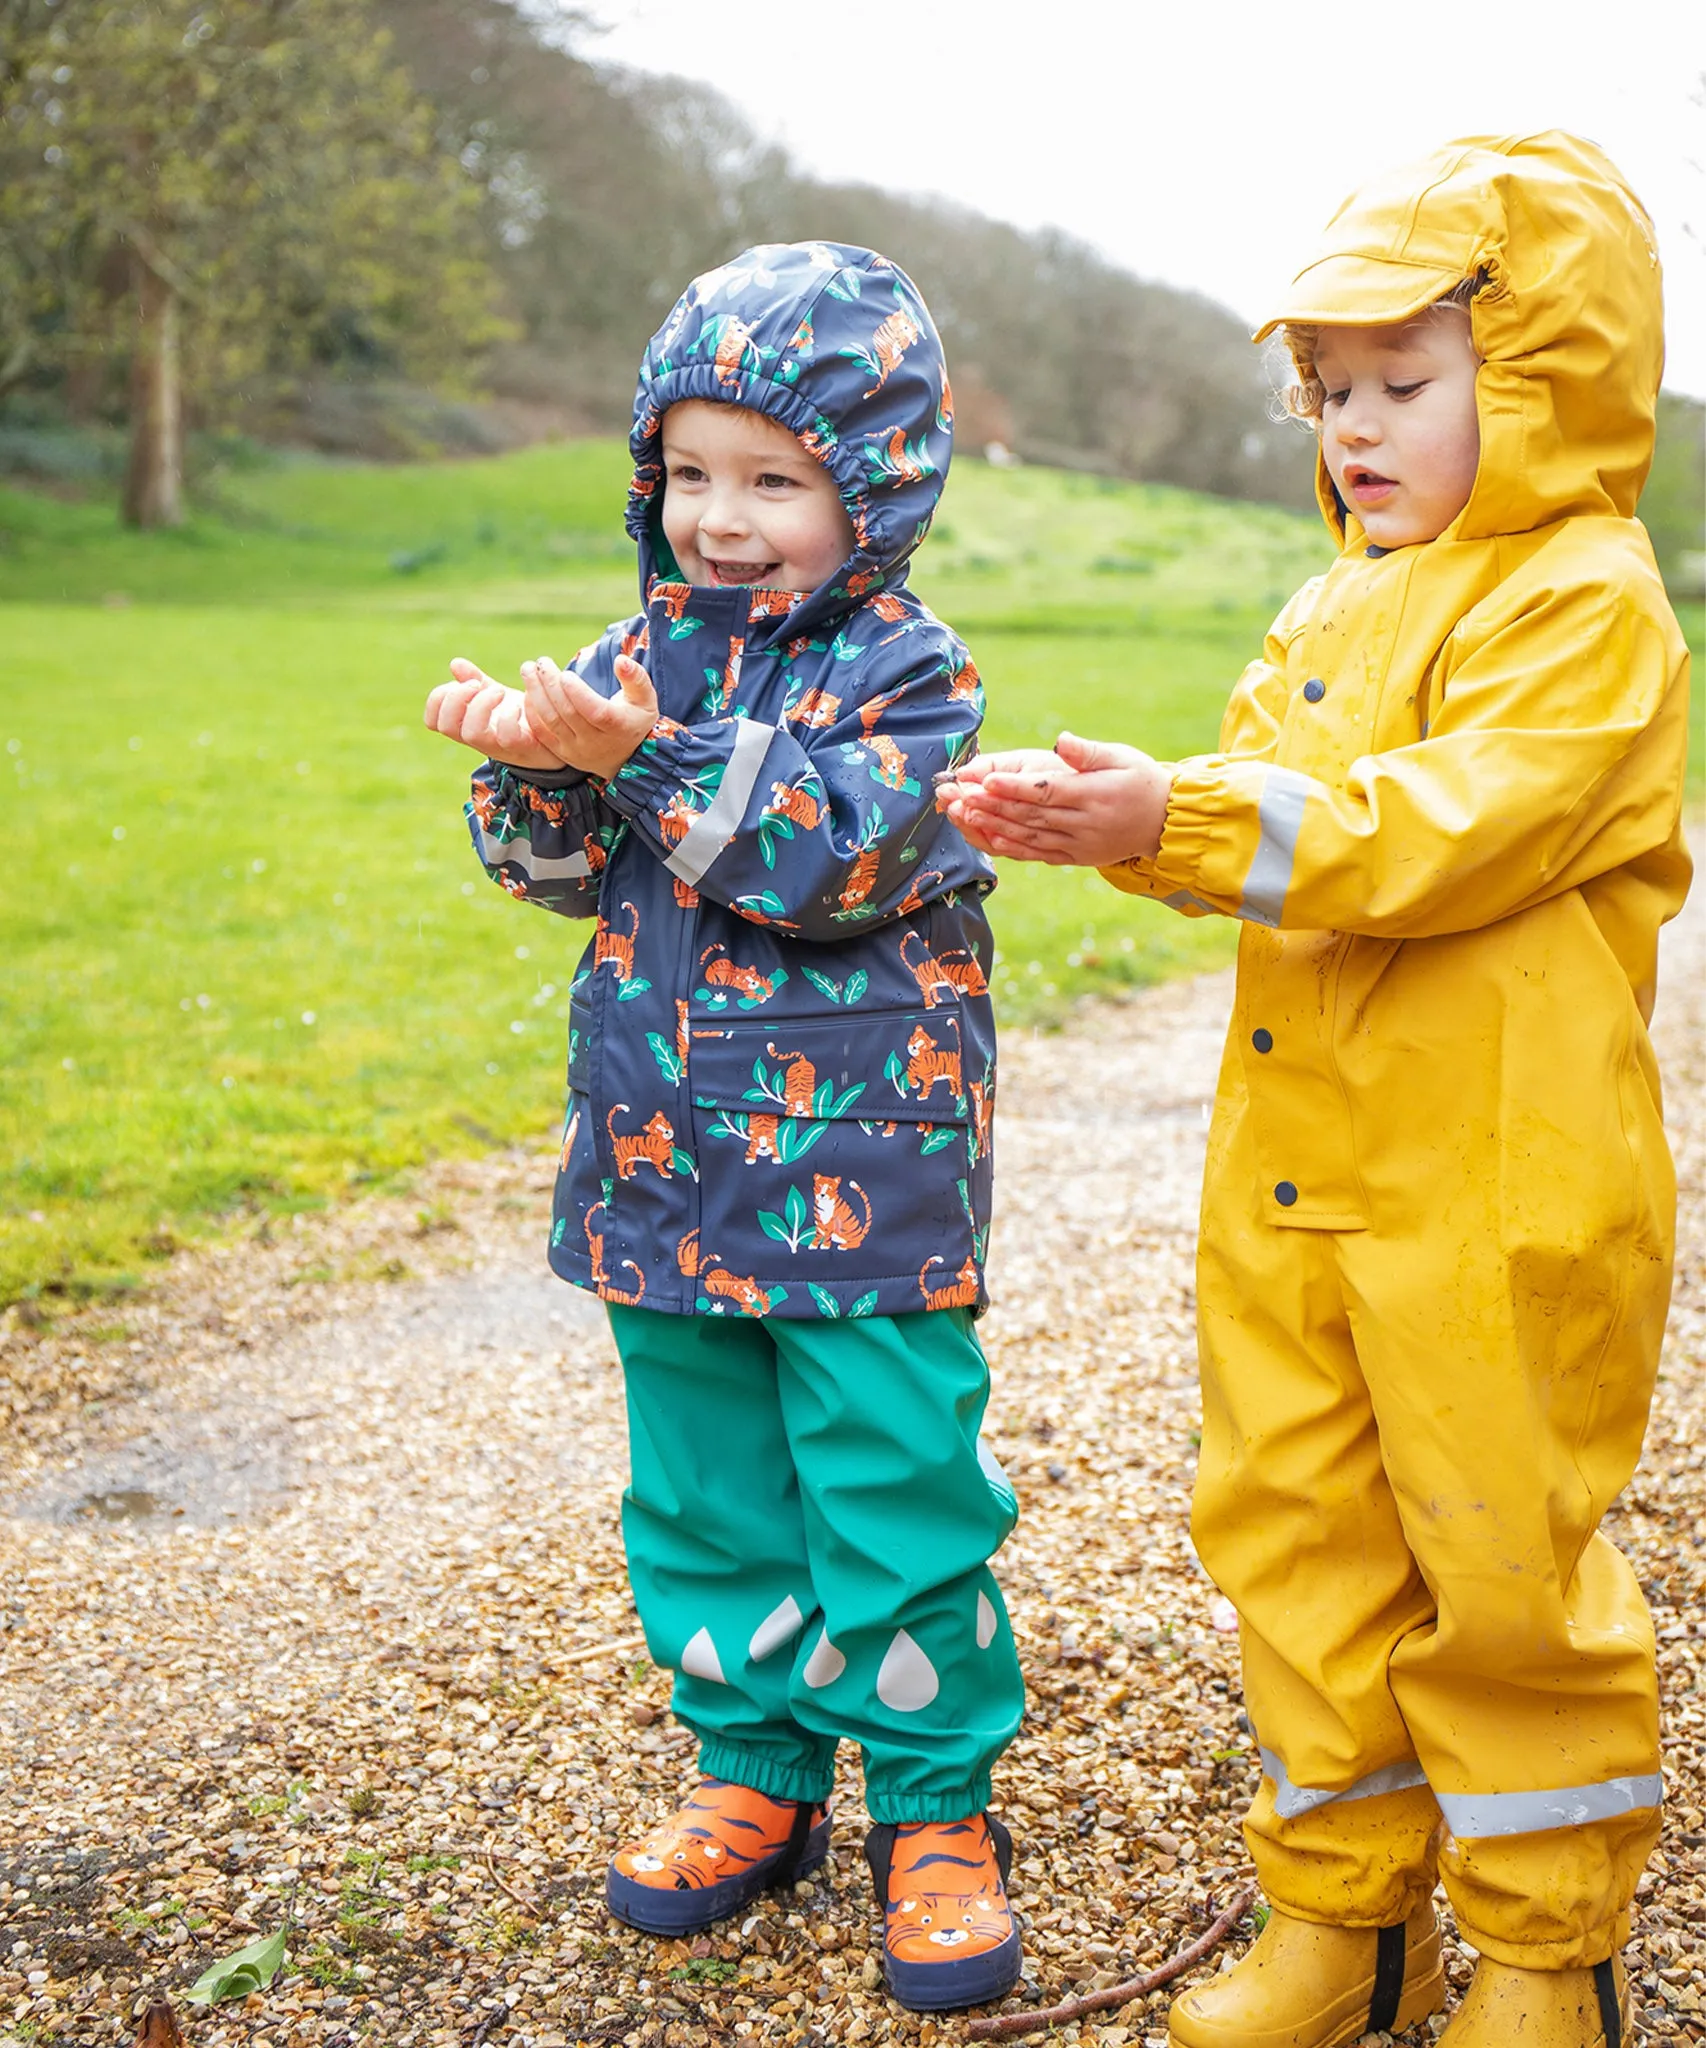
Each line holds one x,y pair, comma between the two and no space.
154,482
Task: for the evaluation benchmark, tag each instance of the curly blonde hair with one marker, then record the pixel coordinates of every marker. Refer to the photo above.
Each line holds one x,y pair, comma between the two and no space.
1303,396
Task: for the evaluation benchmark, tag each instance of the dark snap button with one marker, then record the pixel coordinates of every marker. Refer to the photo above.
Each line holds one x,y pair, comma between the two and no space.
1263,1041
1285,1194
1314,690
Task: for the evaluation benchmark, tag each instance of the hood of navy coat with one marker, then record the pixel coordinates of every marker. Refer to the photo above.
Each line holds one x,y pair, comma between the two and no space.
834,343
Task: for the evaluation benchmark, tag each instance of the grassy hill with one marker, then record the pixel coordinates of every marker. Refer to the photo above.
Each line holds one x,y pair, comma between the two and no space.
251,960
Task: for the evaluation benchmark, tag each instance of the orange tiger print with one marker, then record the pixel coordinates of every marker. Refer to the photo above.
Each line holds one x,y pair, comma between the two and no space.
569,1130
799,1081
888,607
674,598
816,708
964,683
654,1146
913,900
903,464
958,973
600,1278
634,644
982,1117
731,672
681,1029
927,1063
676,818
945,411
862,579
687,1254
731,349
793,800
890,342
745,981
769,604
485,801
747,1294
835,1228
616,947
961,1293
870,713
861,878
686,896
551,808
593,847
892,762
761,1135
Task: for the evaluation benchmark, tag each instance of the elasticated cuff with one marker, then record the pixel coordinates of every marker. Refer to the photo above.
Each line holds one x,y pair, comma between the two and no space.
900,1807
760,1773
1581,1952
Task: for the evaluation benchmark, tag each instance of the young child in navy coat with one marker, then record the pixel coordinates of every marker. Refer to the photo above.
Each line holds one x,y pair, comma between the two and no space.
776,1168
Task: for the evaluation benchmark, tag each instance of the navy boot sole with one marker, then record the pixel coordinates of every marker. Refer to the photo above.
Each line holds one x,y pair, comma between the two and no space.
690,1910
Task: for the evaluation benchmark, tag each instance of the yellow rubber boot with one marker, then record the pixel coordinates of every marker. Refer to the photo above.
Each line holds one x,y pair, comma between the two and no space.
1303,1986
1542,2008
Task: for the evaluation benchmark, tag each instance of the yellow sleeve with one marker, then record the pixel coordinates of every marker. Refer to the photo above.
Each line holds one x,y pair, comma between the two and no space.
1249,730
1556,754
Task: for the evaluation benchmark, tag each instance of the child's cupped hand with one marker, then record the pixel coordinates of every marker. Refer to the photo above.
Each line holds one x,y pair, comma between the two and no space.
486,716
557,721
589,731
1089,803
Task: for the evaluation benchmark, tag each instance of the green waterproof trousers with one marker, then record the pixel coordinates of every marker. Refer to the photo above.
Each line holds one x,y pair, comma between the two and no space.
808,1521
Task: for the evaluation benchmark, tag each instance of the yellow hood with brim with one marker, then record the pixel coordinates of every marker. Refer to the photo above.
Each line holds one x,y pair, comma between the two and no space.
1568,321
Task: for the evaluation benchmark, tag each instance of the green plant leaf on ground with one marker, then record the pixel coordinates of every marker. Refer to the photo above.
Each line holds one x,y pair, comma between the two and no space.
250,1969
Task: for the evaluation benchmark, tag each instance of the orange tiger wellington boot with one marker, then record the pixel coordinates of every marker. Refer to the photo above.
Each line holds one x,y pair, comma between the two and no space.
724,1847
948,1933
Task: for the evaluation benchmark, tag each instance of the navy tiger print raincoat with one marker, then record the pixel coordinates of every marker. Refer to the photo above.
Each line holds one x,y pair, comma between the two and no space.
781,1051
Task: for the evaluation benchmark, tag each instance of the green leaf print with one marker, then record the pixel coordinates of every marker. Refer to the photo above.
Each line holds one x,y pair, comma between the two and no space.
942,1134
795,1138
829,990
626,991
684,1162
668,1059
826,1301
857,983
894,1069
866,1304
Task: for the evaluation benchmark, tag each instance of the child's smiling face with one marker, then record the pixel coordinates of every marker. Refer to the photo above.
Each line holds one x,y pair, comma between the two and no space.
1399,432
743,502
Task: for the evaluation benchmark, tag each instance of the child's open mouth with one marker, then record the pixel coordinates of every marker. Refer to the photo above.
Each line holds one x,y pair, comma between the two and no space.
741,572
1369,487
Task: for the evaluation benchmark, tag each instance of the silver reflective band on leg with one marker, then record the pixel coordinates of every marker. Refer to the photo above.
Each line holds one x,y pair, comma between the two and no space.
1281,813
715,826
518,853
1473,1816
1290,1800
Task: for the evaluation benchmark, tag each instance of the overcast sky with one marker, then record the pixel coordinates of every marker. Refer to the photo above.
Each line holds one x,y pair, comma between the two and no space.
1200,144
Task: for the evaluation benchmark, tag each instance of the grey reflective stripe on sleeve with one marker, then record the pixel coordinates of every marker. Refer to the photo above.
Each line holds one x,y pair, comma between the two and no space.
519,853
715,826
1182,899
1472,1816
1290,1800
1281,813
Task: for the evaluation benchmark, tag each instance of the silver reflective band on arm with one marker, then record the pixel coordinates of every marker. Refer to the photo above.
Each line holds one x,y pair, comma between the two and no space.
1290,1800
1472,1816
518,853
1281,813
716,825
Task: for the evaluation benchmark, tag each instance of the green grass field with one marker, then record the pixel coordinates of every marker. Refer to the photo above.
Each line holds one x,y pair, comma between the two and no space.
250,960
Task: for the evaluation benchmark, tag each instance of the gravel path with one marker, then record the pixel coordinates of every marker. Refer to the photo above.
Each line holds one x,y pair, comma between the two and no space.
311,1605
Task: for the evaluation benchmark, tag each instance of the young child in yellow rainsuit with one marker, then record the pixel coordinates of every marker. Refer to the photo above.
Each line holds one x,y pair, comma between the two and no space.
1438,1208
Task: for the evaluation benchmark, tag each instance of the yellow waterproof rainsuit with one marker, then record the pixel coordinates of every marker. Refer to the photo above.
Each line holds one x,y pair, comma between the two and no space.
1438,1212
